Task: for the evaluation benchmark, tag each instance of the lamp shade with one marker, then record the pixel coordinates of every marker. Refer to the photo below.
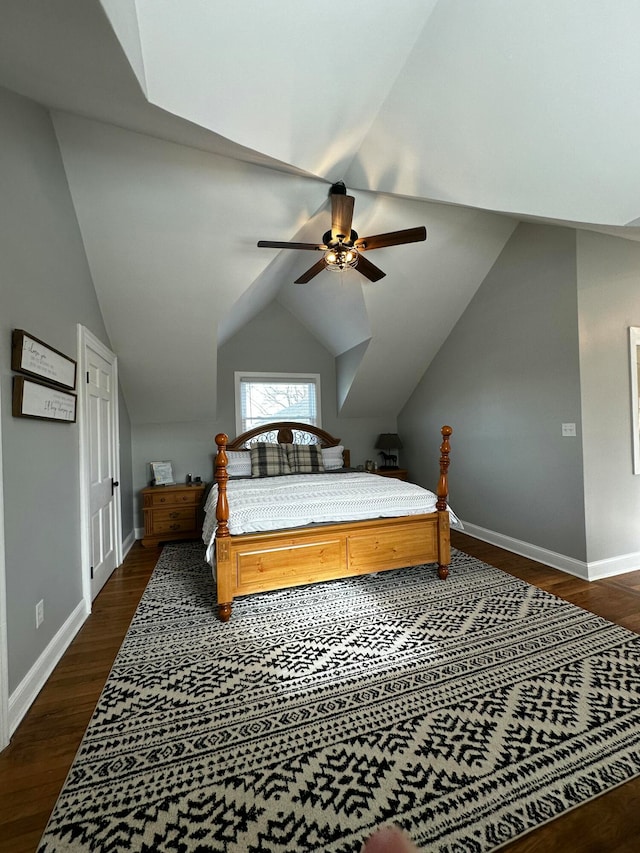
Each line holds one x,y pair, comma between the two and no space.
388,441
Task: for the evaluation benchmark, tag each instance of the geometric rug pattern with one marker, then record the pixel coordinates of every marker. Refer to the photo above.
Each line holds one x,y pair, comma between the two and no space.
468,711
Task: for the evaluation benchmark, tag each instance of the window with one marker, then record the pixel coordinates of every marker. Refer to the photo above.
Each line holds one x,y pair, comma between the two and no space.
265,397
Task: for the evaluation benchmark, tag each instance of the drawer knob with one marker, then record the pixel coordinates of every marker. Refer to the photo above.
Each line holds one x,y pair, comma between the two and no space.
174,527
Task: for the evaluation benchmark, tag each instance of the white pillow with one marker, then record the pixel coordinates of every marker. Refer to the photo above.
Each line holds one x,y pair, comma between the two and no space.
239,464
332,457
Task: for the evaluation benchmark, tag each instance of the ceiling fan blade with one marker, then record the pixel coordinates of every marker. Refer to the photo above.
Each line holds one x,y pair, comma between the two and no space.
392,238
311,272
271,244
369,270
341,216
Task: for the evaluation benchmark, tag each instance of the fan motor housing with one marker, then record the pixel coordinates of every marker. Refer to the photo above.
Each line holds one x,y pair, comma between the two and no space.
327,240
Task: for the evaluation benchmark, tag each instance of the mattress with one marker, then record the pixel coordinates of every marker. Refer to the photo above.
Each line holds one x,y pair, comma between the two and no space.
297,500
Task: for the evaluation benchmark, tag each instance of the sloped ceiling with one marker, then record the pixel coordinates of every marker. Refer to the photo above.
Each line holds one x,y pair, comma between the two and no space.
190,129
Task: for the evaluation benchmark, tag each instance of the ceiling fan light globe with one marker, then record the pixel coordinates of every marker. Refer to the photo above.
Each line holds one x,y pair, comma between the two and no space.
341,258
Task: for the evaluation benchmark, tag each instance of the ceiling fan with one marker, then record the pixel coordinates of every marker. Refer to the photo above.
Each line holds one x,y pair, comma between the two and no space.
341,245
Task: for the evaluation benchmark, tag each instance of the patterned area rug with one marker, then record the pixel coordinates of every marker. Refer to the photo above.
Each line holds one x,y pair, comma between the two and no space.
468,711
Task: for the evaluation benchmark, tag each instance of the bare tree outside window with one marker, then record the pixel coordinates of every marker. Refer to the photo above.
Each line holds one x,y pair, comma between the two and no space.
266,398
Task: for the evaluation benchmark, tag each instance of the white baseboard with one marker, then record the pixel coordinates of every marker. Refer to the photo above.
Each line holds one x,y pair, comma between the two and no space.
26,692
614,566
526,549
128,543
587,571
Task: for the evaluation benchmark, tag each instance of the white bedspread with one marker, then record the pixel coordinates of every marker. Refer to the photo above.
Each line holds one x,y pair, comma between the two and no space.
273,503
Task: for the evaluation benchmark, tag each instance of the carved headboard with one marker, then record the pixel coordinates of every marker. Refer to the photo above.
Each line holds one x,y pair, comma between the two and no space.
288,432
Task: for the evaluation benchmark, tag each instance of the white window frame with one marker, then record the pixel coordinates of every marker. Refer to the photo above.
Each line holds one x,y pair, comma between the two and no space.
253,375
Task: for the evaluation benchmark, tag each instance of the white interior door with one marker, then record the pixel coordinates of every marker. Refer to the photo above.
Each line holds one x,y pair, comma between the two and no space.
101,463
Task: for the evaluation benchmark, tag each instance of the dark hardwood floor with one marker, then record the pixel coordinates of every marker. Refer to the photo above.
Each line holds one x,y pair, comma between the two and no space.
610,823
35,764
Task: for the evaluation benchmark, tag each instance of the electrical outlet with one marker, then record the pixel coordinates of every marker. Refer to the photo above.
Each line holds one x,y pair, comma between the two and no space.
39,613
568,429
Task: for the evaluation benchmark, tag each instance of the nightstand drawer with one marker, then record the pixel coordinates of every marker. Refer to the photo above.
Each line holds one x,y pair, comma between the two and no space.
191,496
177,513
173,525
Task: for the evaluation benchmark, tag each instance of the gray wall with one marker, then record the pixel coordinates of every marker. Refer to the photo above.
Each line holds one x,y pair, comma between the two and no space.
506,379
609,302
45,288
273,342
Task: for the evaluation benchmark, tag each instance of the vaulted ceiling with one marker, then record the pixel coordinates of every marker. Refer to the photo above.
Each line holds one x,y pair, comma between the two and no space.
191,129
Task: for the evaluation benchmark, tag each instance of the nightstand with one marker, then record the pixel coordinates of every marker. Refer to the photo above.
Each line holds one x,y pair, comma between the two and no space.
396,473
171,512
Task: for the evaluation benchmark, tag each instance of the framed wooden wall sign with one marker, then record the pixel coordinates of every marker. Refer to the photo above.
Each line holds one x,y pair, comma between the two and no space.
33,399
33,357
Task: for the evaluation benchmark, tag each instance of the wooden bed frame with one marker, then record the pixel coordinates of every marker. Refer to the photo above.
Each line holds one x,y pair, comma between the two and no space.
256,562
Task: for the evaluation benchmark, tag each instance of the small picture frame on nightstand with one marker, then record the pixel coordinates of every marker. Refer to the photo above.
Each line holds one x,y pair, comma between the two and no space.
162,473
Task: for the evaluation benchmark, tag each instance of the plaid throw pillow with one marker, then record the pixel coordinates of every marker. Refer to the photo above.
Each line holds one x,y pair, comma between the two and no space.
268,460
305,458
